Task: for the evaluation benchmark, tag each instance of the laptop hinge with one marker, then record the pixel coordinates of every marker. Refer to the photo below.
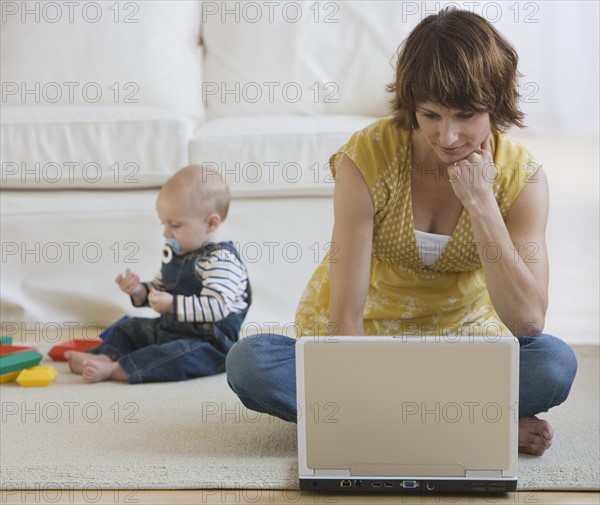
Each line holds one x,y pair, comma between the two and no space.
483,474
332,473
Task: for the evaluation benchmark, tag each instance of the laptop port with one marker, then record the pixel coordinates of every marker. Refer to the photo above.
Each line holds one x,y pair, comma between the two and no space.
388,484
346,483
430,486
358,483
409,484
375,484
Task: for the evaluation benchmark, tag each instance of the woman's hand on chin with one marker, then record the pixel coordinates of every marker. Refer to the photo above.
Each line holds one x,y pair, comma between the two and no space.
473,177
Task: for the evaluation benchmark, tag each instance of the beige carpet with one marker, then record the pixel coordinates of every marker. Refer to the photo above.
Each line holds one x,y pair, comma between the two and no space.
196,434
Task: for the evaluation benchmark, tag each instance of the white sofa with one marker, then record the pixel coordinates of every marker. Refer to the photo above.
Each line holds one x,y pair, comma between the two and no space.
102,101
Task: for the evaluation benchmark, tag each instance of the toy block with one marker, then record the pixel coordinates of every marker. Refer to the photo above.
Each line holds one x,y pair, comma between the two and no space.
5,340
6,349
105,333
18,361
57,353
9,377
37,376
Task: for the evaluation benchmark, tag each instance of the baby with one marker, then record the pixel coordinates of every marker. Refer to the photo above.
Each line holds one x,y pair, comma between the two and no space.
202,294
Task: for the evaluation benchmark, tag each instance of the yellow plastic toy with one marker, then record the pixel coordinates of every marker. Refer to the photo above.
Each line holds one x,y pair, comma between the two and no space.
9,377
37,376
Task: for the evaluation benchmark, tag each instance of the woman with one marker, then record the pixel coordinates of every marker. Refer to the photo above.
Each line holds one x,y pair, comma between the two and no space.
439,226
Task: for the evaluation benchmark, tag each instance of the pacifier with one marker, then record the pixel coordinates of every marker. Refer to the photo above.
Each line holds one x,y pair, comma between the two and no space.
174,245
171,247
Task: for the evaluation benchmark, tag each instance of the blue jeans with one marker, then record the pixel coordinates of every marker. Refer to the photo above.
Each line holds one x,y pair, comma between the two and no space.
261,370
149,353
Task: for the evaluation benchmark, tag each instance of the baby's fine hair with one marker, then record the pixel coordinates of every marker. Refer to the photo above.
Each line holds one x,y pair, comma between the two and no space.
204,188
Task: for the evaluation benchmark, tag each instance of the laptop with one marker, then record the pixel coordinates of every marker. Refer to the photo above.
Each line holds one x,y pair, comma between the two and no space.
408,414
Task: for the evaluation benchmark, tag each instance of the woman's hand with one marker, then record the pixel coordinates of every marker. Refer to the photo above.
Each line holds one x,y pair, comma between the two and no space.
516,282
160,301
473,177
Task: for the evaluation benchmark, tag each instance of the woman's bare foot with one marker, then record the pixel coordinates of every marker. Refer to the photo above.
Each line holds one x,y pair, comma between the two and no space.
101,370
76,359
535,435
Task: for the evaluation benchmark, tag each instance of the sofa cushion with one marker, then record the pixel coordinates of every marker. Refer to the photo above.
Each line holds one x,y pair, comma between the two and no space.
300,57
270,156
102,53
61,251
91,147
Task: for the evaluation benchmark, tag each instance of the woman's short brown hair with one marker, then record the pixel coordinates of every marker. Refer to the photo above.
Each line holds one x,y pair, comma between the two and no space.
458,60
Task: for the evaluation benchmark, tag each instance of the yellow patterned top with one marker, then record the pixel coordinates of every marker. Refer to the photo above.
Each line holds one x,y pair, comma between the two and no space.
405,296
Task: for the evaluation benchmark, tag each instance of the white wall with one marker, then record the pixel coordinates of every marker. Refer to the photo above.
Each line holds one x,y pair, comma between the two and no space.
558,46
559,59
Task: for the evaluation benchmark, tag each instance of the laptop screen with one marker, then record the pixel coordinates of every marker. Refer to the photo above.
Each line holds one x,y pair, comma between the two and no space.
409,406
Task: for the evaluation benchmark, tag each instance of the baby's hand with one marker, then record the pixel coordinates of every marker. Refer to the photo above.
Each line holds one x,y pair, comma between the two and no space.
160,301
129,283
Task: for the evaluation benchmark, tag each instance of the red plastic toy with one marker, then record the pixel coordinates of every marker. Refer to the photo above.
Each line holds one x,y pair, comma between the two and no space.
57,353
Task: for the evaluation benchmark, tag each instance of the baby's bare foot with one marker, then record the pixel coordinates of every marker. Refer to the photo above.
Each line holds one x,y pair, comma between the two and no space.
101,370
76,359
535,435
97,370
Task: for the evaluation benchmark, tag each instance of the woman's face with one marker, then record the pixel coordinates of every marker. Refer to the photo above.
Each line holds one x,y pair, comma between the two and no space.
452,134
